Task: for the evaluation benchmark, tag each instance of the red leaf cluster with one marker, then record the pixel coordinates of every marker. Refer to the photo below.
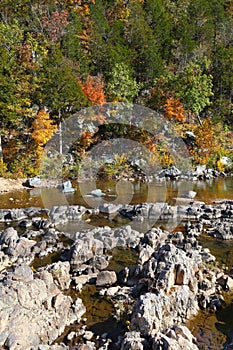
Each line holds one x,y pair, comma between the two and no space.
55,24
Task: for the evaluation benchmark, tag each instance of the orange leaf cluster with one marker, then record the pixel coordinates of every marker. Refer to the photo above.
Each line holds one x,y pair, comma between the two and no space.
174,109
93,88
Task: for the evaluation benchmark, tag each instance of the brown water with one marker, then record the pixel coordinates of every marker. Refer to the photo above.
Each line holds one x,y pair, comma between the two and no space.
211,329
214,329
100,309
123,192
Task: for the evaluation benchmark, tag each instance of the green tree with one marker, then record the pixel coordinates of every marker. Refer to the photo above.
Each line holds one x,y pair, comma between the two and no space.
121,85
118,50
98,39
193,30
159,20
60,91
194,87
71,44
10,37
223,82
17,83
145,55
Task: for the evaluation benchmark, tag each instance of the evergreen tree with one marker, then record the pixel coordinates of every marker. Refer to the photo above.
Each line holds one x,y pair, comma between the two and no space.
223,82
71,46
98,47
145,55
159,20
60,91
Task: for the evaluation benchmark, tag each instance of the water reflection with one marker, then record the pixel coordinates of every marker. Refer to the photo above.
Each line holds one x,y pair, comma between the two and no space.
124,193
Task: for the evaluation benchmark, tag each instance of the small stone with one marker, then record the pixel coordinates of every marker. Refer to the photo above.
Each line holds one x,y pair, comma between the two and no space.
71,335
106,278
88,335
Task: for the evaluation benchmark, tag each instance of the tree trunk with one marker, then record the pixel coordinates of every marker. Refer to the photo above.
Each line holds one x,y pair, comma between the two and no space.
199,119
60,134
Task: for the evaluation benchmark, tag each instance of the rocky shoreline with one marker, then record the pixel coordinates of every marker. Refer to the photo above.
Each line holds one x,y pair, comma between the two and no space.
172,173
173,277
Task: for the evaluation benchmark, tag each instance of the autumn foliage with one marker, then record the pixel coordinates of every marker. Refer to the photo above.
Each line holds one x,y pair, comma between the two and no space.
174,109
93,89
43,129
205,142
55,24
174,57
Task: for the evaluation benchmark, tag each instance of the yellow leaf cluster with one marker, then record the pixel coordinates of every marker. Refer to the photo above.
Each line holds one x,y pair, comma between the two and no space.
43,129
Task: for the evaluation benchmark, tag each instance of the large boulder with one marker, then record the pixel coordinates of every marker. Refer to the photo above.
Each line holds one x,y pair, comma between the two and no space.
159,311
33,309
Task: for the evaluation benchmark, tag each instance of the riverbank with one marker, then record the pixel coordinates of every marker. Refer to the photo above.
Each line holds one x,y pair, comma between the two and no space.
8,185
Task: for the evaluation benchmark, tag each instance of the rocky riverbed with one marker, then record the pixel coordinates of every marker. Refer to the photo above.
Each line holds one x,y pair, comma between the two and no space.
44,272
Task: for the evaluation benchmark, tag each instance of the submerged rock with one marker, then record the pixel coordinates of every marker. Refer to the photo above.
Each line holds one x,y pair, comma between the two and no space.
96,193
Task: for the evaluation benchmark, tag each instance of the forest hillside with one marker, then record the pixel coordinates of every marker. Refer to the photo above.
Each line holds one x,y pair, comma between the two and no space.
57,57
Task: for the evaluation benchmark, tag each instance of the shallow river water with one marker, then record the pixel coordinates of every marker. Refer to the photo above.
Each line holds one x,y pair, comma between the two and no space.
211,330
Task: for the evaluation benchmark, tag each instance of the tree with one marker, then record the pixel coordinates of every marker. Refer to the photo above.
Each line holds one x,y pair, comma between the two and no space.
60,91
98,39
121,84
145,55
223,82
11,37
17,71
118,50
71,45
159,20
194,87
205,142
54,25
192,31
43,129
